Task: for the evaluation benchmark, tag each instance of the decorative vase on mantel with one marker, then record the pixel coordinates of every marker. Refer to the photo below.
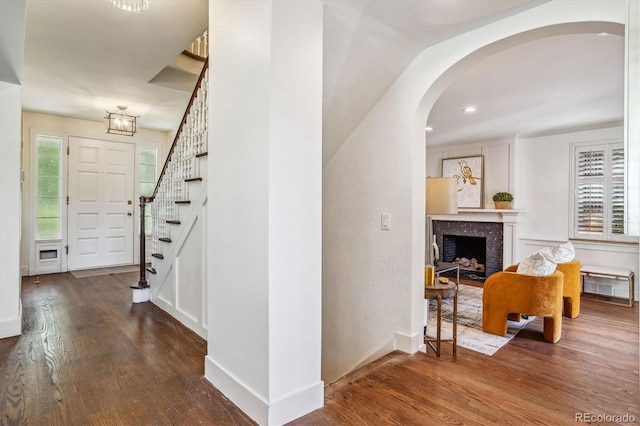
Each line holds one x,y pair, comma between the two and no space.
502,200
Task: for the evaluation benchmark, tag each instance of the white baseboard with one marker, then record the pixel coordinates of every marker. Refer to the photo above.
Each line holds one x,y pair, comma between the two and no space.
297,404
283,410
187,321
408,343
12,327
45,270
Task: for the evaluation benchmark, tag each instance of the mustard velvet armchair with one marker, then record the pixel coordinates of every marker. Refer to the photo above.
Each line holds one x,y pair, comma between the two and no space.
572,288
509,294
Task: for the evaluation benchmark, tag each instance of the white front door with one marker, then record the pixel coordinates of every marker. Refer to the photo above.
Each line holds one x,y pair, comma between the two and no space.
100,210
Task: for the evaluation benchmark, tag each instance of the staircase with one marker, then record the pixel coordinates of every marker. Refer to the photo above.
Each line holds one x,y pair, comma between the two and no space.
178,271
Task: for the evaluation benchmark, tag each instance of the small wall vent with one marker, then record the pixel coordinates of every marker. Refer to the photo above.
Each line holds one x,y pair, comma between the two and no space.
48,254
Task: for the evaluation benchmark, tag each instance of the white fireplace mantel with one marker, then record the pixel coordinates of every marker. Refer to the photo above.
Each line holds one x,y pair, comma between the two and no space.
482,215
508,217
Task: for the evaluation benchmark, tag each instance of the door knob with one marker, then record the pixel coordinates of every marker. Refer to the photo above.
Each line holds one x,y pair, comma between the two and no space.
129,213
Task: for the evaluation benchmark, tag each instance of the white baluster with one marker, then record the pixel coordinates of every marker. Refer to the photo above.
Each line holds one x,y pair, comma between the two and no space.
192,140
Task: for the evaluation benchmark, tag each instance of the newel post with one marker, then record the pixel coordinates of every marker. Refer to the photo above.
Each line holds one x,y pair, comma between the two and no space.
142,283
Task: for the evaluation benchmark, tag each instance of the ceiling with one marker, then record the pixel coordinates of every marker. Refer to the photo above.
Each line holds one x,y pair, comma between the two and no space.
84,57
558,83
551,85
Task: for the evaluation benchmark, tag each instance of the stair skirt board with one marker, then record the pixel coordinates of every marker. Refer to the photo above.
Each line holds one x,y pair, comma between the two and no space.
179,284
182,291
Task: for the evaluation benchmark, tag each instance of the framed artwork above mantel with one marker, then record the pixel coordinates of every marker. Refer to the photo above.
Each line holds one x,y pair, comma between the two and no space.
469,175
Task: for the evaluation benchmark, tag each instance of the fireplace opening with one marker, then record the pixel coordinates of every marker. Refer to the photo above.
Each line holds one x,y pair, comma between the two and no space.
468,252
490,253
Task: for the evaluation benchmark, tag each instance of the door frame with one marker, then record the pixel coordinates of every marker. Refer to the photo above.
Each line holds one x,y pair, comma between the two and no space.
161,141
132,207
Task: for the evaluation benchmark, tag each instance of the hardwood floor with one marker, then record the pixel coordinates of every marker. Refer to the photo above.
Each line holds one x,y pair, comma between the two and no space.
89,356
592,369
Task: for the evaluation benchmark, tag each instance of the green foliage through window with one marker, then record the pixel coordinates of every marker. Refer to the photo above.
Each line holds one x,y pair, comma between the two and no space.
147,180
48,181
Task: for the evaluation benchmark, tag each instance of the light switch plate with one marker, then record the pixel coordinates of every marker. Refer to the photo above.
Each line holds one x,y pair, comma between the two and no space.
385,222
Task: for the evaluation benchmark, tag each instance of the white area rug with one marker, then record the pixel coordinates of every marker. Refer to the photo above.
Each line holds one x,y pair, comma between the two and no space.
84,273
470,334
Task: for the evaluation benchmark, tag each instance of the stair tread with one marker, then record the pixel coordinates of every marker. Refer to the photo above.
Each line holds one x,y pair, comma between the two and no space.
158,255
193,179
183,202
173,221
165,239
202,154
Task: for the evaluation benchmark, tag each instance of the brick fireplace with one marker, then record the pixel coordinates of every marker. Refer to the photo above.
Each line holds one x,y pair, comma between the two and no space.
480,241
487,236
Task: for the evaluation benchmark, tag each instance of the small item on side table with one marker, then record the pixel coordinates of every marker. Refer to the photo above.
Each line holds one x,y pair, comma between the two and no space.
443,280
429,275
436,251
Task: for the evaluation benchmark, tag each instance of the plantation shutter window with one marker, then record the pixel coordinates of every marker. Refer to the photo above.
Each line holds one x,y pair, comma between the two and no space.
599,206
591,191
617,191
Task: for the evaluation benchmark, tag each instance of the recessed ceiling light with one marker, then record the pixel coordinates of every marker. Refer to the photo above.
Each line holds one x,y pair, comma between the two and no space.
429,129
603,34
469,109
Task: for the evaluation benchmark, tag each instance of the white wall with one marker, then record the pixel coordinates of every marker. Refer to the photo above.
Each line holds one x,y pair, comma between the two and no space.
498,173
10,306
64,127
373,279
544,195
264,209
632,128
543,186
632,101
12,29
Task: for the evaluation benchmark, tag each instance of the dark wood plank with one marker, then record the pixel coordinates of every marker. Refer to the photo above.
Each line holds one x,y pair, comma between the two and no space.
592,369
88,356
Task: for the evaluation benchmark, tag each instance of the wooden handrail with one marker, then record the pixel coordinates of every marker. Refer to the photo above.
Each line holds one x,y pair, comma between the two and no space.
182,123
194,56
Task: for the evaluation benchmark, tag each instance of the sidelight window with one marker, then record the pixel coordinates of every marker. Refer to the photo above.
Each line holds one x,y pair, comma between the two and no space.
48,186
147,180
